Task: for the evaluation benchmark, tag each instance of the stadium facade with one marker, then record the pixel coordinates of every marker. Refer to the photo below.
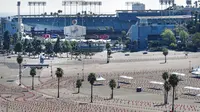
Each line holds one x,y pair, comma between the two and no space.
140,25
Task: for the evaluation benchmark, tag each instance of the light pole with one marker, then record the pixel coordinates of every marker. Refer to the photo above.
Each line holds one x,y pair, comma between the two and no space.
51,69
190,66
83,70
118,82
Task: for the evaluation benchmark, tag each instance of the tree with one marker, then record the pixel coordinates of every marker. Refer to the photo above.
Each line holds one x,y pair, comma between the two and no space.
49,48
25,44
78,84
165,53
112,85
57,46
29,48
92,79
108,49
173,80
108,55
168,37
167,88
196,40
6,42
165,77
19,61
183,37
18,47
33,73
59,74
68,48
38,47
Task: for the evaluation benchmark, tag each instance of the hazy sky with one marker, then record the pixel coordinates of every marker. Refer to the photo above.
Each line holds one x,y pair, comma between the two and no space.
108,6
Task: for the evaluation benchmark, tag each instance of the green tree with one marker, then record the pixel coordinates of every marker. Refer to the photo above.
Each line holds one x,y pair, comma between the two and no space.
165,77
112,85
6,42
29,48
68,48
19,61
92,79
18,47
108,51
49,48
38,47
196,40
78,84
168,37
173,80
167,88
184,37
25,44
59,74
57,46
33,73
165,53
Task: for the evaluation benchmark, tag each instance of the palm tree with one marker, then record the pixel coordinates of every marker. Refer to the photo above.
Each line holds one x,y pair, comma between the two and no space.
78,84
108,50
167,88
59,74
91,79
165,77
173,80
112,85
108,55
33,73
165,53
19,61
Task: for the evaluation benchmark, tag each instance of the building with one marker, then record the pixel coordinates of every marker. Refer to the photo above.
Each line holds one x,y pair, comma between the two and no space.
138,6
149,28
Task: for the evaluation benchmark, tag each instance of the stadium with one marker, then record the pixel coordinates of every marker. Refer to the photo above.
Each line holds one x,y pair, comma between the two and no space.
101,26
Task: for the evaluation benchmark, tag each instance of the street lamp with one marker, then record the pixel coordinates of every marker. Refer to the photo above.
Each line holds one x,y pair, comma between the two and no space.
190,66
83,69
51,69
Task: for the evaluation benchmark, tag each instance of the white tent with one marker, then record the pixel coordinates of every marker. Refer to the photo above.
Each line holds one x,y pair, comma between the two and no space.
100,79
179,74
155,82
192,88
126,77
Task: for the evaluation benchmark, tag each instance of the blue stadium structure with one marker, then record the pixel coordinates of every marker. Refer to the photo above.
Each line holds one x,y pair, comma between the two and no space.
140,24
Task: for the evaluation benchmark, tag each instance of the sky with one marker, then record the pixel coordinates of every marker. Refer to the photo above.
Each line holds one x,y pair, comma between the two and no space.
9,7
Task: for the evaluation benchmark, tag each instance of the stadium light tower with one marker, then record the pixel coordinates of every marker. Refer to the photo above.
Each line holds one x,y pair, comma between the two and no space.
39,4
19,19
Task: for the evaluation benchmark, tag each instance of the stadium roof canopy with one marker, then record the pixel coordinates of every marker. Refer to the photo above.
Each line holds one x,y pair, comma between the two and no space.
165,17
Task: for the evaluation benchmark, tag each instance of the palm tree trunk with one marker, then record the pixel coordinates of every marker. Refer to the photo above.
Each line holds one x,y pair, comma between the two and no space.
173,100
20,76
167,97
58,87
165,59
112,94
78,90
32,82
91,92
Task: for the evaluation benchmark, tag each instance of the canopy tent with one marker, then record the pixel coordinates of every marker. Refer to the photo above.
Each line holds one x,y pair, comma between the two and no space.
100,79
155,82
178,74
192,88
126,77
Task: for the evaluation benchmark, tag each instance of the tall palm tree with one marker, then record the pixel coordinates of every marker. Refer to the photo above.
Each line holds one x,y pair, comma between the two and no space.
165,53
78,84
167,88
108,50
165,77
92,79
173,80
59,74
19,61
33,73
112,85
